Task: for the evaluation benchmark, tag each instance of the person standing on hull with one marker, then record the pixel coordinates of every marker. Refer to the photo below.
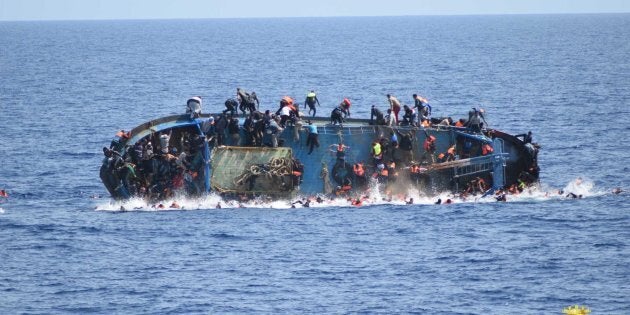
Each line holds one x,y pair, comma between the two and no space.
193,107
254,103
377,117
286,110
394,105
340,112
475,118
231,105
247,102
409,118
423,107
311,101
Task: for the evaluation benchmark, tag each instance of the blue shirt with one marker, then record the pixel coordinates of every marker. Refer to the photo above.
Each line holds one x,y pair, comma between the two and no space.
312,129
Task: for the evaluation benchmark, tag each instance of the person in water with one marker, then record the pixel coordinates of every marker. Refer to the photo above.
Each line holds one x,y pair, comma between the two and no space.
311,101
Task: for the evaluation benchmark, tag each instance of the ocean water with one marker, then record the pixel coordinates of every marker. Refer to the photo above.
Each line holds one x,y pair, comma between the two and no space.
67,87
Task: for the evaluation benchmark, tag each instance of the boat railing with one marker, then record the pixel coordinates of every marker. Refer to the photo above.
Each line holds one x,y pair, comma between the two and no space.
471,166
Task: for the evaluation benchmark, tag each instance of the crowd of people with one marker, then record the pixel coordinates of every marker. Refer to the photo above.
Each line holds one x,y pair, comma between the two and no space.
155,172
166,170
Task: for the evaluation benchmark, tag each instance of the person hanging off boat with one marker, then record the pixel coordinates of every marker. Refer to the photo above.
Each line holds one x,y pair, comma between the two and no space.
193,107
377,152
311,101
339,150
359,174
429,149
381,174
313,137
394,105
118,143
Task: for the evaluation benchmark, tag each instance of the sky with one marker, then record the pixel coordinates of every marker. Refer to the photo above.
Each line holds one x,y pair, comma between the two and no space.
20,10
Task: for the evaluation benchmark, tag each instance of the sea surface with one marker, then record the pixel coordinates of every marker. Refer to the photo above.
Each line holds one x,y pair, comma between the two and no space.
67,87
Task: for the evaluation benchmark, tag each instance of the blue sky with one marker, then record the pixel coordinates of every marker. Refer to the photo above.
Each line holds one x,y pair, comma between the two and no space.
166,9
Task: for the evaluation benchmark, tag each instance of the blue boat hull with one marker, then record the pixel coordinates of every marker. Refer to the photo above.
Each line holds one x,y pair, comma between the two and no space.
501,168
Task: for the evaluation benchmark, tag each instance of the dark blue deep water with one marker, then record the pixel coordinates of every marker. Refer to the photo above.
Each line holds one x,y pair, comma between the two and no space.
67,87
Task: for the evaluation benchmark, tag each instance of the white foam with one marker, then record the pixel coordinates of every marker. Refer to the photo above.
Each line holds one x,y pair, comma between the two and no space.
373,196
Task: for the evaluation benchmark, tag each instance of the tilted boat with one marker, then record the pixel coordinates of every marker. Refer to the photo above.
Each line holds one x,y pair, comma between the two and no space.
148,161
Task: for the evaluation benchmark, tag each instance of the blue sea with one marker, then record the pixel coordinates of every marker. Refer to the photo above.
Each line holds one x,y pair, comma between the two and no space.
66,87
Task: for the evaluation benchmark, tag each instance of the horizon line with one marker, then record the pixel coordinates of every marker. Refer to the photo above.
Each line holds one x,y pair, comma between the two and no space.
306,17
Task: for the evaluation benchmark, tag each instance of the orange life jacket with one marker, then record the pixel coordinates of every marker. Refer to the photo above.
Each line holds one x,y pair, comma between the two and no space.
459,124
486,149
347,102
288,100
451,150
428,143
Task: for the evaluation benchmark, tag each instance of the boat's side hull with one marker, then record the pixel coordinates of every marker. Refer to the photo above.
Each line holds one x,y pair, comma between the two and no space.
358,136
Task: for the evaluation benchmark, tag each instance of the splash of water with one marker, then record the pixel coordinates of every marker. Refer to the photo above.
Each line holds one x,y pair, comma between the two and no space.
372,196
